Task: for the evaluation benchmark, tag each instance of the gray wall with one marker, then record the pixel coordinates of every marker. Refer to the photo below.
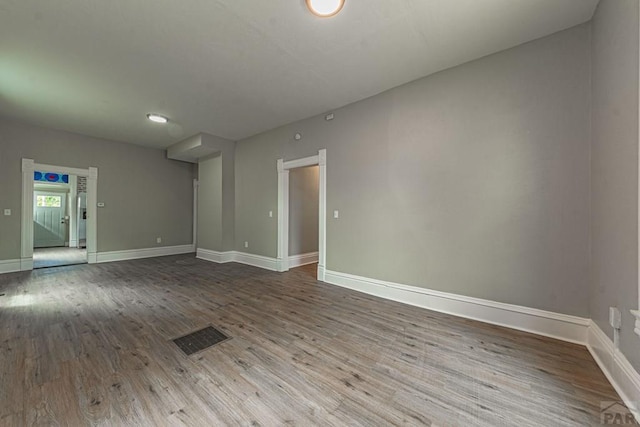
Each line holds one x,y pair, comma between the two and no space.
614,164
210,204
472,181
146,195
303,210
216,197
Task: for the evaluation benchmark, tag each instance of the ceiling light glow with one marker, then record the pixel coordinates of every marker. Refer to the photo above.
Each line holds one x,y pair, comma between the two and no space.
325,8
157,118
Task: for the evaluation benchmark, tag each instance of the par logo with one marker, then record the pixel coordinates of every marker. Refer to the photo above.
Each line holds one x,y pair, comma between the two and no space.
616,413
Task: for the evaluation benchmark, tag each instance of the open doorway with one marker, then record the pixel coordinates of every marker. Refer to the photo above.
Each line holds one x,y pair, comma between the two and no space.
296,239
57,220
58,215
303,217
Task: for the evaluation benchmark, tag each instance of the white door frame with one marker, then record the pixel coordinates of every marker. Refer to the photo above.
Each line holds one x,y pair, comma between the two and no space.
283,209
636,313
28,168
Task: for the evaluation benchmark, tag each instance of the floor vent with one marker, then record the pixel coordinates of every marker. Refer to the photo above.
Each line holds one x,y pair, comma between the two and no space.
200,340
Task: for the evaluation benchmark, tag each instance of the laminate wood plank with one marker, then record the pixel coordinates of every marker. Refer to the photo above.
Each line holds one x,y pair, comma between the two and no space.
91,345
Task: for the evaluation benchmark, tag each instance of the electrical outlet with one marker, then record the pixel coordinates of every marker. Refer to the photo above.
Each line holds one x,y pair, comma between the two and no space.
159,240
7,212
336,214
246,244
270,214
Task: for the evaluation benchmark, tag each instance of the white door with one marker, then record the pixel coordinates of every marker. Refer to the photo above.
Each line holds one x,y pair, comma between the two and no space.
49,222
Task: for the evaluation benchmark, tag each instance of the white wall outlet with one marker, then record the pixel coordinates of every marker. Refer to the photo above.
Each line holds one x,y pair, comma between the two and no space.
7,212
615,319
158,239
246,244
297,136
328,117
270,214
336,214
101,204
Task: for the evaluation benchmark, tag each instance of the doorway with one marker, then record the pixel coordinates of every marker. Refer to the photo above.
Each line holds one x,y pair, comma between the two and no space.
284,168
303,217
58,215
56,220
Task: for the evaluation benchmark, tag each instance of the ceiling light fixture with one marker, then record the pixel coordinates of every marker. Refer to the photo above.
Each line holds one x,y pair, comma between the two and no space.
325,8
157,118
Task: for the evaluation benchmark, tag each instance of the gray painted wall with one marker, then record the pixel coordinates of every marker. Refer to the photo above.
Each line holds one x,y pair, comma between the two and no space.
303,210
614,164
146,195
471,181
210,204
216,196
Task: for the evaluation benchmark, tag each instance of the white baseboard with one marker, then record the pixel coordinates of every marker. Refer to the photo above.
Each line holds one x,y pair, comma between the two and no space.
142,253
241,257
26,264
215,256
10,265
560,326
615,366
256,261
73,243
303,259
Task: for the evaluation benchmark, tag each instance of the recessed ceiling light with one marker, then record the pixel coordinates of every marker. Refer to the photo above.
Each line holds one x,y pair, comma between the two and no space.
157,118
325,8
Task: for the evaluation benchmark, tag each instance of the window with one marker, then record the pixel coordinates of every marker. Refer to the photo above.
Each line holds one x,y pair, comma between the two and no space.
48,201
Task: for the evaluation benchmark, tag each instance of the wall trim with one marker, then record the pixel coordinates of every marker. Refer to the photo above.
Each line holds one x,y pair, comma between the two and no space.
215,256
616,367
283,167
26,264
241,257
10,266
26,219
142,253
256,260
303,259
546,323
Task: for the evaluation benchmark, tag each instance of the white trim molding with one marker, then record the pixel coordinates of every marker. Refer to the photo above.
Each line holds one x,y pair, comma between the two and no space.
143,253
636,329
554,325
26,229
636,313
303,259
256,261
10,266
615,366
260,261
215,256
282,261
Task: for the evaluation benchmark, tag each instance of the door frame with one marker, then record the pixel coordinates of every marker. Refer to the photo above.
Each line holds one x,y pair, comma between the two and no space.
319,160
29,166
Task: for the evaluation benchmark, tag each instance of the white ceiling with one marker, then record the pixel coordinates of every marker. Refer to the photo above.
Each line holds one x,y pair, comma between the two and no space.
235,68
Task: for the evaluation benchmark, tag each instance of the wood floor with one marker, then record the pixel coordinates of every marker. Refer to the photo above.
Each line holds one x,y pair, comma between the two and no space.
91,344
53,257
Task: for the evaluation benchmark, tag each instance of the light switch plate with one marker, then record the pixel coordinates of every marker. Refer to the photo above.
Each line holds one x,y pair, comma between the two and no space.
7,212
336,214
